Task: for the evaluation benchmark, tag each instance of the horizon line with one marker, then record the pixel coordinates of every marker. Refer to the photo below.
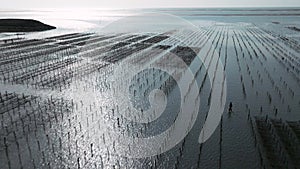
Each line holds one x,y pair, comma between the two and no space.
175,7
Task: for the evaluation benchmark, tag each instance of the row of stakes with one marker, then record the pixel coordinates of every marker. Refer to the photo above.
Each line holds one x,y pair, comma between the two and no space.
28,145
32,117
284,57
276,88
69,124
273,143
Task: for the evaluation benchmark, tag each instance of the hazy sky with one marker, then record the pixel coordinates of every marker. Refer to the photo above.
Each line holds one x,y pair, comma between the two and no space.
144,3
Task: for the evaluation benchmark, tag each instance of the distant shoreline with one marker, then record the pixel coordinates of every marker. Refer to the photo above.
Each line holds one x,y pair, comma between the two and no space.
23,25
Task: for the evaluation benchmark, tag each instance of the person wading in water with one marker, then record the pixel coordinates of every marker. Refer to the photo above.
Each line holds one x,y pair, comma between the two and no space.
230,107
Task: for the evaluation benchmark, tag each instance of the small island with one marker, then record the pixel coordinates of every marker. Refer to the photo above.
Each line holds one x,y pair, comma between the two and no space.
23,25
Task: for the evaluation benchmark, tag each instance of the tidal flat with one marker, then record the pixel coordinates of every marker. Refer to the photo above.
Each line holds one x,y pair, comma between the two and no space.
57,89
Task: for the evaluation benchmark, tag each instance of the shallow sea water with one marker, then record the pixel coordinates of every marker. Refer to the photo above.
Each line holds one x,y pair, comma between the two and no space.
68,125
